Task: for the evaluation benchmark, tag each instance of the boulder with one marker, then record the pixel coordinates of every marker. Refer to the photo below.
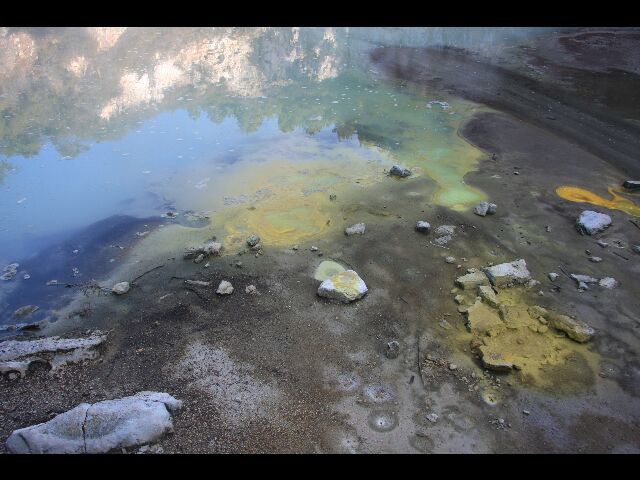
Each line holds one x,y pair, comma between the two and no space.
591,222
423,226
506,274
399,171
345,286
357,229
121,288
99,428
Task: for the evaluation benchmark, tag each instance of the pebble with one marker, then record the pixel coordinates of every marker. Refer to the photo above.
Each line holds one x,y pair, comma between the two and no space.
450,259
314,249
553,276
453,366
595,259
432,417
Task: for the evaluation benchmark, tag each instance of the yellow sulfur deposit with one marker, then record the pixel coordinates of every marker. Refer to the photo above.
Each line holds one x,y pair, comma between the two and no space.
617,202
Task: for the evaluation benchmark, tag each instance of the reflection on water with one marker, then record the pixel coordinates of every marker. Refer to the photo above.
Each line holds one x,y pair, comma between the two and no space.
255,127
617,201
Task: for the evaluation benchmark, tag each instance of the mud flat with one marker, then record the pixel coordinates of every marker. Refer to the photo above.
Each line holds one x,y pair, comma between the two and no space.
284,370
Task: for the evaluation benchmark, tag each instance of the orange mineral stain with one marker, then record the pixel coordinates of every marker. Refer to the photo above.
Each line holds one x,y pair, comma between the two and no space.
617,202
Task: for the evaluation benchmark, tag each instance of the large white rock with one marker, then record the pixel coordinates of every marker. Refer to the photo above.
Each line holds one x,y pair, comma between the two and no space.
99,428
510,273
121,288
591,222
225,288
357,229
17,355
346,287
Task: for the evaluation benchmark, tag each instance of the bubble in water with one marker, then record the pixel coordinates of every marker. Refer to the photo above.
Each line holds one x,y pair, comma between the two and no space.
378,393
382,421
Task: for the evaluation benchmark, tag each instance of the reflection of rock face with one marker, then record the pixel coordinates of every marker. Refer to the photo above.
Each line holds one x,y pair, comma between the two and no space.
17,53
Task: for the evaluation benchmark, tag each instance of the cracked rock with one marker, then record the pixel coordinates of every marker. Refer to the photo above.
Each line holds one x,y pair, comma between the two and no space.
101,427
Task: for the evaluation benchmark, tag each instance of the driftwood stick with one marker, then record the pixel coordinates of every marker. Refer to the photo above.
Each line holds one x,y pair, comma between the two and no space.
148,271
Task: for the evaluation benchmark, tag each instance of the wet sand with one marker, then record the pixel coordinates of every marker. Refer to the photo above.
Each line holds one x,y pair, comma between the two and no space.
286,371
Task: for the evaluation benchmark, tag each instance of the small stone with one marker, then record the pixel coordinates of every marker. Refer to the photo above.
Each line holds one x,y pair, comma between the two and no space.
459,299
423,226
636,248
251,290
450,259
357,229
432,417
595,259
632,184
393,350
345,286
608,282
121,288
582,286
399,171
253,240
199,258
225,288
553,276
453,366
603,244
238,264
526,412
314,249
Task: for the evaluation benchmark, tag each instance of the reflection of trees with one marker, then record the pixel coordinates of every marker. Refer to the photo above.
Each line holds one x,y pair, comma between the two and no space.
4,168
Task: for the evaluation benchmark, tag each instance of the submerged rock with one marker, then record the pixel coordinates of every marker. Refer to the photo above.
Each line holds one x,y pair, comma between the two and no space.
253,240
485,208
121,288
346,287
206,249
423,226
357,229
10,271
17,355
225,288
591,222
472,280
25,311
507,274
399,171
99,428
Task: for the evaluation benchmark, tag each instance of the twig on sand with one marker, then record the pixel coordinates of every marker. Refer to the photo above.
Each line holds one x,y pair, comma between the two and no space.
621,256
403,299
563,271
635,223
419,362
148,271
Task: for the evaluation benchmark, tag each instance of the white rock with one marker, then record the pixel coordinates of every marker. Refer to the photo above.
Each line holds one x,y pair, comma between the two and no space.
101,427
346,287
508,273
584,278
553,276
423,226
450,259
608,282
591,222
399,171
121,288
485,208
225,288
357,229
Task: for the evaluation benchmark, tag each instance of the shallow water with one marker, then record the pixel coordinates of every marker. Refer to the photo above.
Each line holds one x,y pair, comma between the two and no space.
250,129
